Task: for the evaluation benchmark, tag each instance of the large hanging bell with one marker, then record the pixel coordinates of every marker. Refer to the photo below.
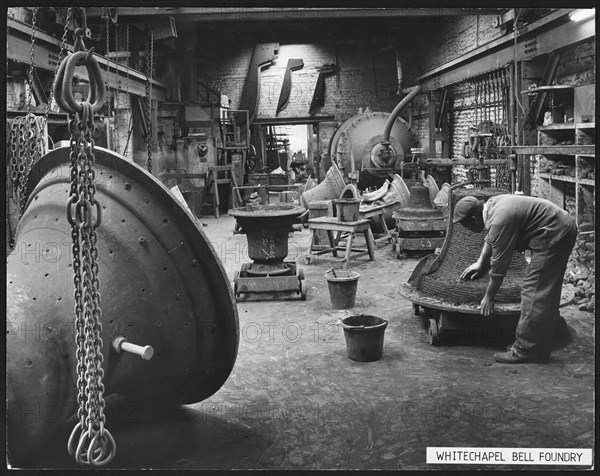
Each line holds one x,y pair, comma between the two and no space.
161,285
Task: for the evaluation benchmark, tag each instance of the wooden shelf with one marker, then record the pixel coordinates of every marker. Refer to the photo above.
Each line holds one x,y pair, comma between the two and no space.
586,125
451,162
551,149
552,87
567,126
558,178
568,178
559,126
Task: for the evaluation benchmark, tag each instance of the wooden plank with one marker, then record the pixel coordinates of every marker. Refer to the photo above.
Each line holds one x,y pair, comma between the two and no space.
451,162
551,87
551,149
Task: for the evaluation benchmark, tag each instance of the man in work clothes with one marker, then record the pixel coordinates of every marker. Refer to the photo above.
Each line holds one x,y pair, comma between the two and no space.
521,222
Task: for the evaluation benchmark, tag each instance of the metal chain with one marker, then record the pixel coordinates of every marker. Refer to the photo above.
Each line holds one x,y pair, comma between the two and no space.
31,56
118,86
90,442
14,143
109,112
26,147
149,67
63,47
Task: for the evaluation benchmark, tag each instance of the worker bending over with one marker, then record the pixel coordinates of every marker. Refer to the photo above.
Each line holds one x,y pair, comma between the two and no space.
521,222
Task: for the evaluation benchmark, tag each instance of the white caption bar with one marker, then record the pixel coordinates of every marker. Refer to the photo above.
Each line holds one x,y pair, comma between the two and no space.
546,456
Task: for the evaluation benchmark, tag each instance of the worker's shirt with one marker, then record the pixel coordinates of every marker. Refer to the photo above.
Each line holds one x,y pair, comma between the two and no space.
521,222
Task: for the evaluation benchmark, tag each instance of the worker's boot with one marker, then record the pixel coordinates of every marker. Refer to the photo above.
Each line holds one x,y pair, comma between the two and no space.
511,356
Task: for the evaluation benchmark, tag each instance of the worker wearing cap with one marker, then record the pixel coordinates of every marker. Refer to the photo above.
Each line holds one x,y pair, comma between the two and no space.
521,222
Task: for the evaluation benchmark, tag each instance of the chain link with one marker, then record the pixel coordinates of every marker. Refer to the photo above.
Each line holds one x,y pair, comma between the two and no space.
90,442
149,68
31,56
109,112
117,86
26,146
63,47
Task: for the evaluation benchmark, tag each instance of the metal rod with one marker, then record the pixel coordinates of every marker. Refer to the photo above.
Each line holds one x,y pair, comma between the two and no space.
121,344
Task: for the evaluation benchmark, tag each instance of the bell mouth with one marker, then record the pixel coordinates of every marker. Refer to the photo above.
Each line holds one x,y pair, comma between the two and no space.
268,269
420,214
267,210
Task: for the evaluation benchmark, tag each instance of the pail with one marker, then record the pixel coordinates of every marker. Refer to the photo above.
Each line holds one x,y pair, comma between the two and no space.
364,337
342,288
347,209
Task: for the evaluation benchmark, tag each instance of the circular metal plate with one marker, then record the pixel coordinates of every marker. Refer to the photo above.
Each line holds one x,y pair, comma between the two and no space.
161,283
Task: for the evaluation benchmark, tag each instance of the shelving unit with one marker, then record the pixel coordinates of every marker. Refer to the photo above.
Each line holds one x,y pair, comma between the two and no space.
567,153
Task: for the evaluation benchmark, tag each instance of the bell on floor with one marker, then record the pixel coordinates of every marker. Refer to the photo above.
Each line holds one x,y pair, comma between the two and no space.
161,285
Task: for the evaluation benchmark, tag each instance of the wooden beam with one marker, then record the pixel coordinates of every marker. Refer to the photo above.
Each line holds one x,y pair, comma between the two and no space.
248,14
46,53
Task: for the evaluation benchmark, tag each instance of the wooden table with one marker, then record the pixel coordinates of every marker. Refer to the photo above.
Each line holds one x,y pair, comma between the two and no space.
330,225
369,212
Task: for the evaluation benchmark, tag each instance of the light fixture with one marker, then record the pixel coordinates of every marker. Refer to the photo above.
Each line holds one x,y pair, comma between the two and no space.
582,14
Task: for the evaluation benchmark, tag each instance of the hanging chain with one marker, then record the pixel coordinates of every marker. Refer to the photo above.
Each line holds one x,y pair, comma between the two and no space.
109,108
149,67
31,56
63,47
118,85
90,442
26,141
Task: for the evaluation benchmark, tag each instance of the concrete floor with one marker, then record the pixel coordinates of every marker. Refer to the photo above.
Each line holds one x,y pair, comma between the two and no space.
296,401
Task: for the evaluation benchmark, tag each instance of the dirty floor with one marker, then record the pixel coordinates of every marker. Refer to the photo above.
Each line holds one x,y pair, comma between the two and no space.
296,401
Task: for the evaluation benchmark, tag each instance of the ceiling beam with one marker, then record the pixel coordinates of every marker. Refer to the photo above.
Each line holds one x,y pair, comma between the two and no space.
196,14
544,36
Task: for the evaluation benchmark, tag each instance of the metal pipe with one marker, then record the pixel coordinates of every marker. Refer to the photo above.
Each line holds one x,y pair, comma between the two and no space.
511,103
396,112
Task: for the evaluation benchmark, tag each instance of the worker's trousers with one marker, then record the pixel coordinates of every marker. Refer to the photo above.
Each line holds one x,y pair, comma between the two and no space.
540,297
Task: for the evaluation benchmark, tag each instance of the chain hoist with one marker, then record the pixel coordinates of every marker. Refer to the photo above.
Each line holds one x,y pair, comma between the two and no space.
90,441
149,67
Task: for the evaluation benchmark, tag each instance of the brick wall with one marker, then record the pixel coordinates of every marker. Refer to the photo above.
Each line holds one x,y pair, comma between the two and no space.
359,83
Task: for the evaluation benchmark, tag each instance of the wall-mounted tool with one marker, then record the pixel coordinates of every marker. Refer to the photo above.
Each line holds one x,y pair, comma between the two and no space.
264,54
318,99
286,87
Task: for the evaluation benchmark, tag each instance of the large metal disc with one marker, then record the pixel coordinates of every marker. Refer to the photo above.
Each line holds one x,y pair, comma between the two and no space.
357,137
161,284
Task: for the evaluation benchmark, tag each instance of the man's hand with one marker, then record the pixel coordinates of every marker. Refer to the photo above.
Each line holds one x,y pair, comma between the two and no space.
473,272
487,306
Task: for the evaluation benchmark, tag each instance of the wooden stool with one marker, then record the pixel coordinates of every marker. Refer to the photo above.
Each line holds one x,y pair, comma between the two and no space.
331,224
368,212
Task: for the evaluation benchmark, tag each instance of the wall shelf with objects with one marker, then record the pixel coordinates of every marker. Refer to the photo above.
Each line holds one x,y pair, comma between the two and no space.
567,152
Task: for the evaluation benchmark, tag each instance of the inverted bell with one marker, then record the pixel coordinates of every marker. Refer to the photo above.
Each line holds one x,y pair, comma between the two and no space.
440,279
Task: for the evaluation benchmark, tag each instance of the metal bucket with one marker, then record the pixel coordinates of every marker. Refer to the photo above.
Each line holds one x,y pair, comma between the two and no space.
347,209
342,288
364,337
